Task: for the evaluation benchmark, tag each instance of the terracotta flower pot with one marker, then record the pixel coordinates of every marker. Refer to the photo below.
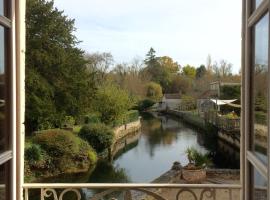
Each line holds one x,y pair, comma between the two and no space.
194,175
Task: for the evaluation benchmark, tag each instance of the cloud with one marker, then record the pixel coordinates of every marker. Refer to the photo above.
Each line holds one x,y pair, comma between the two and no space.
185,30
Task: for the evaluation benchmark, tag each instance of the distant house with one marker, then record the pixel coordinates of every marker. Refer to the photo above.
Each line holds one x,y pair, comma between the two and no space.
209,99
170,101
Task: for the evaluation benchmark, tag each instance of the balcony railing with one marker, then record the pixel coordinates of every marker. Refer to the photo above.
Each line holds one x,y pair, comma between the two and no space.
62,191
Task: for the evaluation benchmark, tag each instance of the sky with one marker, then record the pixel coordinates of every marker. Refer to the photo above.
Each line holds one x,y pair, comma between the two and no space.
186,30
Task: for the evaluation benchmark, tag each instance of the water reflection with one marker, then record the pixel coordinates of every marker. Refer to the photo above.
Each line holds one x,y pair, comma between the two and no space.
162,140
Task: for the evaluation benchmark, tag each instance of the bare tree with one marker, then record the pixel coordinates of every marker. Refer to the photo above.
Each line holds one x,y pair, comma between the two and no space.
99,63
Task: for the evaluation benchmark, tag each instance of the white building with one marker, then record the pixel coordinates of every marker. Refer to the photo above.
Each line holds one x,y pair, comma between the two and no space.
170,101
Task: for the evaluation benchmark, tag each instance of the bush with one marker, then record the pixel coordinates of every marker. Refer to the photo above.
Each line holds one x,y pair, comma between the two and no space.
68,121
33,152
66,151
92,118
99,136
145,104
131,116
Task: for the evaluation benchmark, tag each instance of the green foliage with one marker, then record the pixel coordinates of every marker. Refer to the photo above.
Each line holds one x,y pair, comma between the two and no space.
230,92
99,136
200,72
189,71
61,151
131,116
160,69
261,103
231,115
112,103
92,118
145,104
197,158
154,91
33,152
57,83
69,121
261,117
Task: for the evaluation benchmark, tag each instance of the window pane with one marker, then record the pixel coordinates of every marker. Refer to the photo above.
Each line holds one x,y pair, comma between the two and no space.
260,186
1,7
3,181
261,88
257,3
3,135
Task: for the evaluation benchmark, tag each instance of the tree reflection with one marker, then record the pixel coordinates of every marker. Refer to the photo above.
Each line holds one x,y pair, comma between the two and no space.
105,172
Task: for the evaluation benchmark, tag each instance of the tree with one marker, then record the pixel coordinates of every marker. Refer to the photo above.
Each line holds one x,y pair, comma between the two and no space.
57,83
151,59
222,69
112,102
189,71
154,91
98,64
200,72
209,63
167,63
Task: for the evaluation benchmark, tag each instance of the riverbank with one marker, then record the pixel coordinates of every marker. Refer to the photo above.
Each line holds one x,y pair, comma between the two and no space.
192,118
54,141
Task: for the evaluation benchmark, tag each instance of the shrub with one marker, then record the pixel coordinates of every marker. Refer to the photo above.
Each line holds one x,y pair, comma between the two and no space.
68,121
92,118
33,152
131,116
145,104
66,151
99,136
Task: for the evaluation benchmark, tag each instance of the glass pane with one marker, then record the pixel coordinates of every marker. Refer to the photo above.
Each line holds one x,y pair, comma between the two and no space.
261,88
3,181
1,7
257,3
3,138
260,186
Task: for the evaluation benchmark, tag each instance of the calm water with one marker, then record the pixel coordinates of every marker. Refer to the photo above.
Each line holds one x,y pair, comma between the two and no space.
162,140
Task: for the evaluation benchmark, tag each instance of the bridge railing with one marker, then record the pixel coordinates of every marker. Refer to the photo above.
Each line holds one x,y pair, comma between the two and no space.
64,191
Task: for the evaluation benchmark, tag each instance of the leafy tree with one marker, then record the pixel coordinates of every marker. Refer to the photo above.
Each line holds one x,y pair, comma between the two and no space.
154,91
168,63
57,83
112,102
160,69
231,92
200,72
189,71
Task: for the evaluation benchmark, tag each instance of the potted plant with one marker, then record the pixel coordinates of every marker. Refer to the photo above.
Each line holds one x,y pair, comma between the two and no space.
194,171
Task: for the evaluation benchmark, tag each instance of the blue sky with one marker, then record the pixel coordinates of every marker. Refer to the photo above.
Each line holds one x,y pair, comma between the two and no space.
185,30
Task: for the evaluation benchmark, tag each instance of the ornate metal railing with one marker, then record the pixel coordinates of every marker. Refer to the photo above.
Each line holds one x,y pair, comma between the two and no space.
86,191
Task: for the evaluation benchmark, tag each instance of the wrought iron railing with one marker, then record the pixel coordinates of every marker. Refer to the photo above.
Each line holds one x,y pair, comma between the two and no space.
131,191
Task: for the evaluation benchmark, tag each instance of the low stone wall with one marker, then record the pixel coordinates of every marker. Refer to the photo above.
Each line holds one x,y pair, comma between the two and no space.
231,139
122,131
189,118
125,135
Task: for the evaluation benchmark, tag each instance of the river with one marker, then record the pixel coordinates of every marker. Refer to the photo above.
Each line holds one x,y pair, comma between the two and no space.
163,139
